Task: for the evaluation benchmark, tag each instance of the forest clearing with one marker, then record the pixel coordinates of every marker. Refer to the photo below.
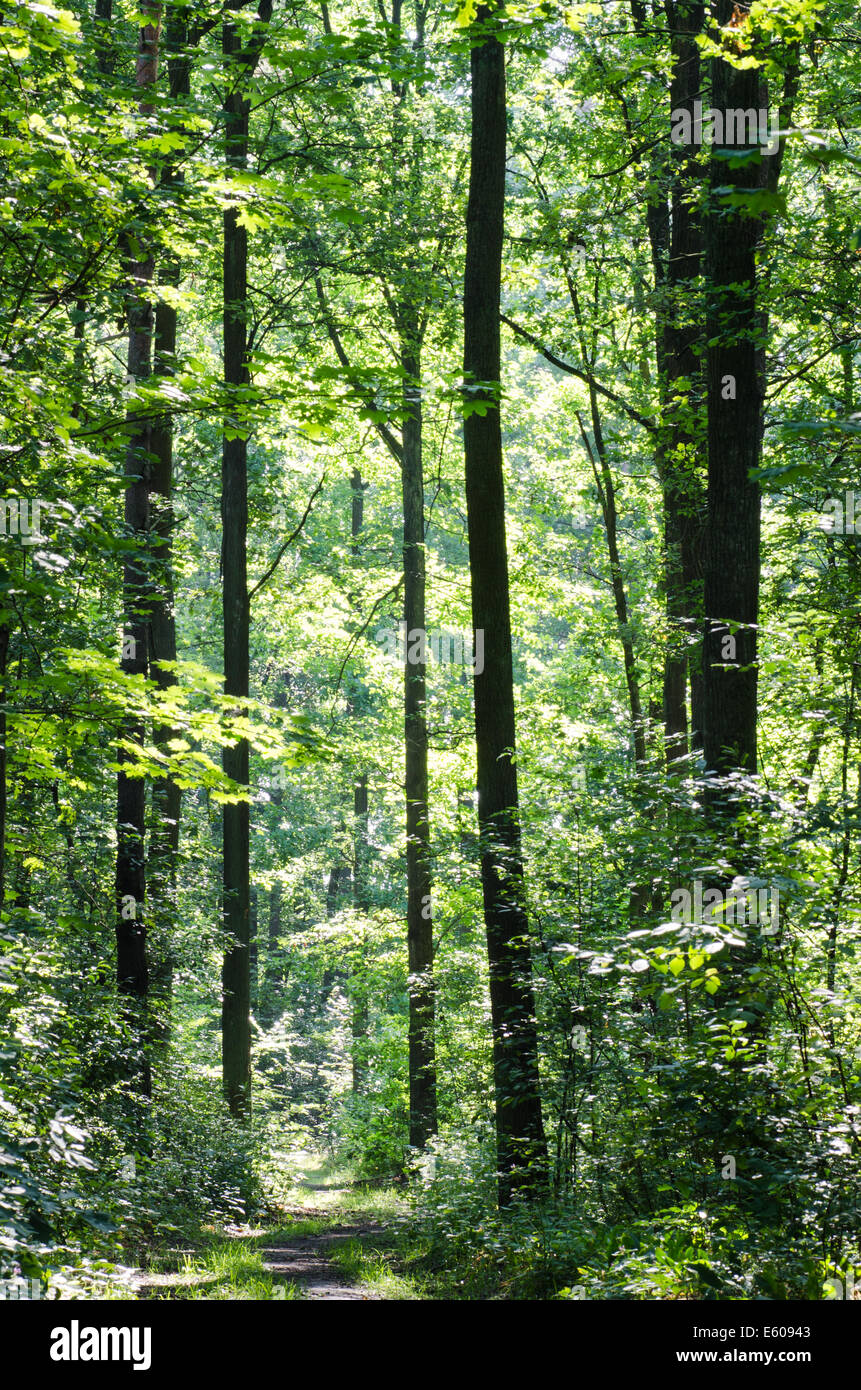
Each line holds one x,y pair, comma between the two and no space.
430,661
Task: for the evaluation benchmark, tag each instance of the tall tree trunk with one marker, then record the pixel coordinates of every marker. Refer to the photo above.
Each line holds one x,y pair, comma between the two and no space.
521,1147
358,981
132,972
104,43
422,1066
166,795
684,489
236,1003
253,949
675,235
603,476
274,953
735,387
358,974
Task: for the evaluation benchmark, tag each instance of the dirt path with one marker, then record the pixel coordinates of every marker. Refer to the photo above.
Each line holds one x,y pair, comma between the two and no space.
305,1260
300,1251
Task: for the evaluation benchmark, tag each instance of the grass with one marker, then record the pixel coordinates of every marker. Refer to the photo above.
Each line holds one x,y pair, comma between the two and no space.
229,1269
378,1271
308,1195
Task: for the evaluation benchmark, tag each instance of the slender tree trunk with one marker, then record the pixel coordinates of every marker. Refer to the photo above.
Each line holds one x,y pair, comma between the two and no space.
358,979
520,1135
236,1023
607,494
166,795
132,972
104,44
358,982
274,965
422,1066
603,476
684,489
673,219
253,949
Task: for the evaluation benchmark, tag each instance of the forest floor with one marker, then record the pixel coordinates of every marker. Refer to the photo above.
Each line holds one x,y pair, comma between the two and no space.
333,1238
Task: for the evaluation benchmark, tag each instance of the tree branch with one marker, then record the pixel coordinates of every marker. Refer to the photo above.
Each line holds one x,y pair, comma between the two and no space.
289,541
581,375
382,429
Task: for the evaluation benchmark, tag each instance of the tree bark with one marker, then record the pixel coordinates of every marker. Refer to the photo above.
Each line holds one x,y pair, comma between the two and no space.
521,1147
675,234
104,44
422,1064
684,488
735,387
166,795
236,884
130,883
358,981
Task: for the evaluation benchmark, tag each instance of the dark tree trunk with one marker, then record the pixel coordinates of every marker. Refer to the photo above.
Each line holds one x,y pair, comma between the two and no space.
338,877
166,796
520,1136
274,969
676,245
132,971
735,400
236,1022
358,982
684,489
104,42
253,951
422,1067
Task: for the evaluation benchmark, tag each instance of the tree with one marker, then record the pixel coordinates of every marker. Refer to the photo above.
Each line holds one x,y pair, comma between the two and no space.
734,378
132,969
520,1135
236,977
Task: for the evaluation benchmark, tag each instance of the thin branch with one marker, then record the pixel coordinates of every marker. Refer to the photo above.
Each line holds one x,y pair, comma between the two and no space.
582,375
382,429
289,541
390,593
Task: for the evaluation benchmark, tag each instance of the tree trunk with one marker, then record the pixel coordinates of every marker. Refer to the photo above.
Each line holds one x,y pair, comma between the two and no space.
358,981
684,489
607,496
520,1136
253,951
675,235
235,1017
166,795
422,1067
132,972
735,399
104,43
